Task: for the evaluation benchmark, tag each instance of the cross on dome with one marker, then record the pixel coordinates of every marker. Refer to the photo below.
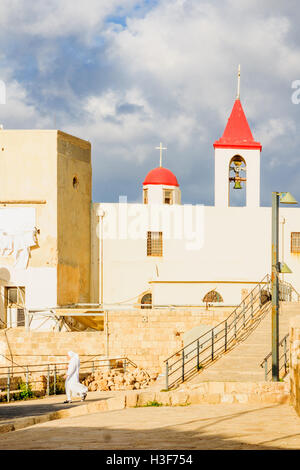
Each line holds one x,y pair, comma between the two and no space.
160,148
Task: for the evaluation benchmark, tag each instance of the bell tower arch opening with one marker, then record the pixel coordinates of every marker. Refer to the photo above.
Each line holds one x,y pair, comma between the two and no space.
237,178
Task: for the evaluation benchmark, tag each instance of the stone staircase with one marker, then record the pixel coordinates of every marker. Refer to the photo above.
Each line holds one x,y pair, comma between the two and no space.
242,363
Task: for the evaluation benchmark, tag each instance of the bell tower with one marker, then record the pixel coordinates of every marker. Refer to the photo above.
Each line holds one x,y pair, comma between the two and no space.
237,159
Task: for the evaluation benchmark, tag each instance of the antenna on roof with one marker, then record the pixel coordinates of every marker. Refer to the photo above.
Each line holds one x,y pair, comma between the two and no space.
239,82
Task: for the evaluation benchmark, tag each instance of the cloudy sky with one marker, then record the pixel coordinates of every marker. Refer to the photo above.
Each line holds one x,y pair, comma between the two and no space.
129,74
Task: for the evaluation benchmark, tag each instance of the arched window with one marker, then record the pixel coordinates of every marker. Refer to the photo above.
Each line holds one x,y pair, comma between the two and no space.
146,300
212,296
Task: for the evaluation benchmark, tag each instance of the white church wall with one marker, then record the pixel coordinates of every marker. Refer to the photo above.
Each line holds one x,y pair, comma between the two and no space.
236,247
173,293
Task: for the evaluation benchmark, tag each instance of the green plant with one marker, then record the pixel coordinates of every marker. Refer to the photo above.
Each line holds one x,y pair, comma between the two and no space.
26,391
153,403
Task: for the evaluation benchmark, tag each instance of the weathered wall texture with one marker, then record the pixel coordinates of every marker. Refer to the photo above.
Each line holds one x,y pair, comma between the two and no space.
295,362
74,185
37,168
147,337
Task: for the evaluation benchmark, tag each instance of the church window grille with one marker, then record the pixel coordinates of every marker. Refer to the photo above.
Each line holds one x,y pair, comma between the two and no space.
154,244
212,296
168,196
295,242
146,301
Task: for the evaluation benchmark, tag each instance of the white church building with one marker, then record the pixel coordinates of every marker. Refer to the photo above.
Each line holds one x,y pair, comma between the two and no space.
176,255
60,250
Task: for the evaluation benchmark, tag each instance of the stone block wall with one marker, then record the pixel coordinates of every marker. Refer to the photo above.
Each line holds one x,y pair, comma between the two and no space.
295,362
147,337
43,347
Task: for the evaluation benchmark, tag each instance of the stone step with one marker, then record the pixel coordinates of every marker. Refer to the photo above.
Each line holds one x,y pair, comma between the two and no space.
242,363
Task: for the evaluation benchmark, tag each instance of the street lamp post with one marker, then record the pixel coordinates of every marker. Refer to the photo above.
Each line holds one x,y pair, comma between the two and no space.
275,288
284,198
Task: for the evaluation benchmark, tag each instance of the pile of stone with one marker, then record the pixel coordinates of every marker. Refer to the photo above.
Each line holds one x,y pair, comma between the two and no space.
115,379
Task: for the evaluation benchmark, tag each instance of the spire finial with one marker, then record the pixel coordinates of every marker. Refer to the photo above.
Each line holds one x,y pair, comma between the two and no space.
161,148
239,82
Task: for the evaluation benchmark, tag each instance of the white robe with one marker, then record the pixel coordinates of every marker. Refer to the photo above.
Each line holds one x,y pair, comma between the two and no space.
72,385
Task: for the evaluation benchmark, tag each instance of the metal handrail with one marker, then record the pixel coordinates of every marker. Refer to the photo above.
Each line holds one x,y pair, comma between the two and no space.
53,369
282,364
218,339
290,288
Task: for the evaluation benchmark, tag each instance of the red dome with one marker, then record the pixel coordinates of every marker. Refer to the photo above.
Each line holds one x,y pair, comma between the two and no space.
161,175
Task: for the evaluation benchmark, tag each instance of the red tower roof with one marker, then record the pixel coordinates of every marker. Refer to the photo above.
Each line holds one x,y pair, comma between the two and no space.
161,175
237,133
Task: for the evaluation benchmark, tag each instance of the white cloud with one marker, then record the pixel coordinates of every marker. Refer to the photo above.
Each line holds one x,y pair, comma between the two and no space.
57,18
168,75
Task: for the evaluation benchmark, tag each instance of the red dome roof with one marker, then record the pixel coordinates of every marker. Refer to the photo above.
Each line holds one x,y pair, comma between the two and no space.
161,175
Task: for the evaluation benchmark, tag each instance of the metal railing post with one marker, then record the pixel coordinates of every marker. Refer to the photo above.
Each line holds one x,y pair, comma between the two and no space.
266,370
235,324
27,378
8,384
285,356
251,304
182,372
198,354
93,367
124,365
167,375
225,345
54,380
212,344
48,380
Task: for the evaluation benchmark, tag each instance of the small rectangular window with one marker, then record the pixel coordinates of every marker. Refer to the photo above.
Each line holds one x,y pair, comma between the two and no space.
15,296
12,295
295,242
145,196
154,244
168,196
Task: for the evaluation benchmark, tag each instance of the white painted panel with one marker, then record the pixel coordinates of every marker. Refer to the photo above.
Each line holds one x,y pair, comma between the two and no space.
17,219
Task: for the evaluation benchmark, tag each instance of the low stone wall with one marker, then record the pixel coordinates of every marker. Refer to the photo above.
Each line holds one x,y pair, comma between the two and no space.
146,336
295,362
34,347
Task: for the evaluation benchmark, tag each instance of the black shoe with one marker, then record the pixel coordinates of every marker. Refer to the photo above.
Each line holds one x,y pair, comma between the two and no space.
67,401
83,398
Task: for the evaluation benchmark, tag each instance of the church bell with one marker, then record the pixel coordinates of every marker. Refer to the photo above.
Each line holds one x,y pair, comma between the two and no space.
237,185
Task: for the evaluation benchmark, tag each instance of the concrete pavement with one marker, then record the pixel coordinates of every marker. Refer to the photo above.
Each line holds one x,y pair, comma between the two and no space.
223,426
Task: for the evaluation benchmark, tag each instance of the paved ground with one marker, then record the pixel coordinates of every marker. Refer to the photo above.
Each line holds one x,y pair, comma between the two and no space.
183,427
10,412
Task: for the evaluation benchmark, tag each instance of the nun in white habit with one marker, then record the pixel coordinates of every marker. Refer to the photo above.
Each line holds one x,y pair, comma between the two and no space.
72,385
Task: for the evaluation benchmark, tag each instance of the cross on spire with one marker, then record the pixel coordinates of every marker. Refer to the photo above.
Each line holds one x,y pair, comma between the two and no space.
238,85
160,148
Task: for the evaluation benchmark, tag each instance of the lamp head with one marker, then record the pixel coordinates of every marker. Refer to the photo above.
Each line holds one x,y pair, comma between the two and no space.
287,198
283,268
